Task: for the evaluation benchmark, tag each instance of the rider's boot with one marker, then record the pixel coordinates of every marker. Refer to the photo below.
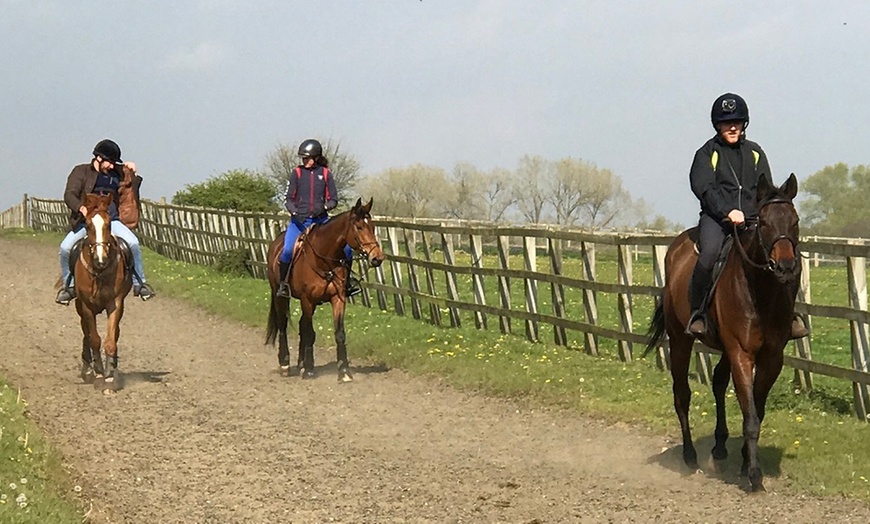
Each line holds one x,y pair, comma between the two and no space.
65,295
798,328
144,291
698,289
351,283
283,287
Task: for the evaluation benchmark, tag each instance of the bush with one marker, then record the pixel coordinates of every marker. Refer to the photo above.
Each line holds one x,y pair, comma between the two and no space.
239,190
234,262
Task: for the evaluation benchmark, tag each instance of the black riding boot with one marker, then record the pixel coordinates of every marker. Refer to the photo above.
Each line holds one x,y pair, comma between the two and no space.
283,286
702,278
351,284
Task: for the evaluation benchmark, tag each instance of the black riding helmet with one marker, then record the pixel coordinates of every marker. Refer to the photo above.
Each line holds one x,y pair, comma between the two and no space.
310,148
108,150
729,107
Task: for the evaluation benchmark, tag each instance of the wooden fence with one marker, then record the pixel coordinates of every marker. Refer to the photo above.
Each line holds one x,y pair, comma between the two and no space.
201,235
15,216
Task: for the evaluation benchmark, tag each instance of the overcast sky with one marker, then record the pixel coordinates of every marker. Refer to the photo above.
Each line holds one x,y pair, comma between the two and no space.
190,89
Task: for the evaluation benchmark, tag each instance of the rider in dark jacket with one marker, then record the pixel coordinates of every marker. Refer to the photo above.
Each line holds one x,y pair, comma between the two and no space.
311,192
724,177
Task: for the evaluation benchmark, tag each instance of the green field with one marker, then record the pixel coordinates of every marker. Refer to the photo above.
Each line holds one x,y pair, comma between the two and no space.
810,440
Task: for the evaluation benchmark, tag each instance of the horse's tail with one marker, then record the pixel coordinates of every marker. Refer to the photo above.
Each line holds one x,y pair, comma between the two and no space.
272,324
656,332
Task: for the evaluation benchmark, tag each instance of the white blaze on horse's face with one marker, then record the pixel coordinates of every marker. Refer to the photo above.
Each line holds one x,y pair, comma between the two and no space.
101,252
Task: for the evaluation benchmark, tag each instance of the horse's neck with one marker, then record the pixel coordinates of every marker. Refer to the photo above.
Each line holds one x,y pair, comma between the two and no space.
330,238
770,296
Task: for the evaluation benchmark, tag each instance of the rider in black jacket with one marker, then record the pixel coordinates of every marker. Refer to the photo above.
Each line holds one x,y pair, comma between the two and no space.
724,177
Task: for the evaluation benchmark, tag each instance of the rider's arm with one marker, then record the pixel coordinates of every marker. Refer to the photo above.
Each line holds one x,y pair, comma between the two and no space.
290,196
73,193
331,196
703,181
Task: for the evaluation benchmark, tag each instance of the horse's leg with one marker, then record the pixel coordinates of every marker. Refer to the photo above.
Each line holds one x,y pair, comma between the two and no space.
282,306
113,332
768,365
91,341
742,372
306,339
681,357
338,306
87,371
721,378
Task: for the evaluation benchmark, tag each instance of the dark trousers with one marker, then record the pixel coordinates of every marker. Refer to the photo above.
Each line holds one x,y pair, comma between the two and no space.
711,237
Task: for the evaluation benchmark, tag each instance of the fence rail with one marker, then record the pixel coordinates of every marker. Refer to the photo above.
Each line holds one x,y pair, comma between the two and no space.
495,254
15,216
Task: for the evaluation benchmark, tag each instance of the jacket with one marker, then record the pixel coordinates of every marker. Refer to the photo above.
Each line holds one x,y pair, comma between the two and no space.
310,192
82,180
725,177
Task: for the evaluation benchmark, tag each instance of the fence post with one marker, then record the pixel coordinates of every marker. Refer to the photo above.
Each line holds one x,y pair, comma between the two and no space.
413,282
530,255
379,278
663,357
590,297
434,310
449,276
25,207
803,346
476,248
396,271
624,300
504,283
860,332
557,291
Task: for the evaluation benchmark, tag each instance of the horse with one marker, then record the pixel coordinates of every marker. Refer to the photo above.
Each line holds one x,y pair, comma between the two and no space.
749,320
102,281
317,275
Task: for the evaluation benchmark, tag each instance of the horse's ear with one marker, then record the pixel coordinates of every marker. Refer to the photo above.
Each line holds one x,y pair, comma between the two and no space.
368,207
106,200
790,187
764,188
358,203
88,200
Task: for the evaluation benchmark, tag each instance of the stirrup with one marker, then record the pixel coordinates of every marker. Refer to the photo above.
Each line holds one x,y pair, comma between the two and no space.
697,325
144,292
65,296
283,290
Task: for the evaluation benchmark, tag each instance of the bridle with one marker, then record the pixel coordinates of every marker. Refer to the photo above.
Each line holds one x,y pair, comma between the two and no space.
768,251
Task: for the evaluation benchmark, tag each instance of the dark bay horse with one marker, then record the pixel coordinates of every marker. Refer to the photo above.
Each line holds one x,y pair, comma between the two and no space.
102,282
318,276
749,320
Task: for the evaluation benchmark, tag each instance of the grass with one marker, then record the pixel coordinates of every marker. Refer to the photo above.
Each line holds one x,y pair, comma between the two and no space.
810,440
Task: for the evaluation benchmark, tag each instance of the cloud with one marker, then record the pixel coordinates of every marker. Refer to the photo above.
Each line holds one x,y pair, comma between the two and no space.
205,57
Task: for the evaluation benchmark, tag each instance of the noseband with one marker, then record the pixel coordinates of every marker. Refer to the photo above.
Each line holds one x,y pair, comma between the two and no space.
768,251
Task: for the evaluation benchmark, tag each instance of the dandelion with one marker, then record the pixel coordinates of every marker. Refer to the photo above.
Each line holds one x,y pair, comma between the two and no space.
23,481
799,419
77,489
797,444
13,486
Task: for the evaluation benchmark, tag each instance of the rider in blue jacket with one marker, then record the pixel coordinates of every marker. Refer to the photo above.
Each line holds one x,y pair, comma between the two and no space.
311,193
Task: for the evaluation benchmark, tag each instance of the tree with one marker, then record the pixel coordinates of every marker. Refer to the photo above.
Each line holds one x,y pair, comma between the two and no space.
238,189
282,161
528,187
605,198
413,191
835,204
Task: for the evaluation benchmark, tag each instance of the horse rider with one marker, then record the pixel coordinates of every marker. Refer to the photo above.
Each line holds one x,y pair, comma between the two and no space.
311,193
724,177
105,174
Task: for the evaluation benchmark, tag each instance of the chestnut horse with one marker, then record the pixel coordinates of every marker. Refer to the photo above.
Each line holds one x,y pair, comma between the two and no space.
102,281
749,320
317,276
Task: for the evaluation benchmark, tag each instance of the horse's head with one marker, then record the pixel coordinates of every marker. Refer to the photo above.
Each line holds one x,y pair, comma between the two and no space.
99,229
778,229
361,236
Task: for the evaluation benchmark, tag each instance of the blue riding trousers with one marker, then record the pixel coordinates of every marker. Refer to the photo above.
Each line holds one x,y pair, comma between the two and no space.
294,229
120,231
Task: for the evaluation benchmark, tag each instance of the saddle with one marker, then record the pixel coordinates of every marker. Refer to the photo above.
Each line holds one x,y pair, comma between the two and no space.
76,251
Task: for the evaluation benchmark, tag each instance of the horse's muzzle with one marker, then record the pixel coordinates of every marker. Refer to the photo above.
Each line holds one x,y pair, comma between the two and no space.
785,271
376,261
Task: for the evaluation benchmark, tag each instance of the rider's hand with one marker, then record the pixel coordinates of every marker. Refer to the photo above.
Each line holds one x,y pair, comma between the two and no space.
130,166
736,217
84,211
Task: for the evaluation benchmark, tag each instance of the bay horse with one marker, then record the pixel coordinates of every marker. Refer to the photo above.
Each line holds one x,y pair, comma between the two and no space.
102,282
317,275
749,320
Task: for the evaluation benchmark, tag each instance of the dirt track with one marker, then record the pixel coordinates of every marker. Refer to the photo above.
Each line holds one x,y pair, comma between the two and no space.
207,432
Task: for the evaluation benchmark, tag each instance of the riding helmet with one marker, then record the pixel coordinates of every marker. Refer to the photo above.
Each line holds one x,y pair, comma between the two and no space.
729,107
108,150
310,148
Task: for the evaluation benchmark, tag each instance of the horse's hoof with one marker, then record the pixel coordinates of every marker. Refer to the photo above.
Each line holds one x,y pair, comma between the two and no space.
98,382
284,371
306,373
108,392
344,378
720,454
88,376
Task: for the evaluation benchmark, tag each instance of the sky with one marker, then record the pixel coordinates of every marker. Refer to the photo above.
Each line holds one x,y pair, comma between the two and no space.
194,88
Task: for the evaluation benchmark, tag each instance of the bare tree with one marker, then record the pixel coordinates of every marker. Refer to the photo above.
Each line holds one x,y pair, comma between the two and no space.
528,186
605,198
569,191
413,191
498,197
